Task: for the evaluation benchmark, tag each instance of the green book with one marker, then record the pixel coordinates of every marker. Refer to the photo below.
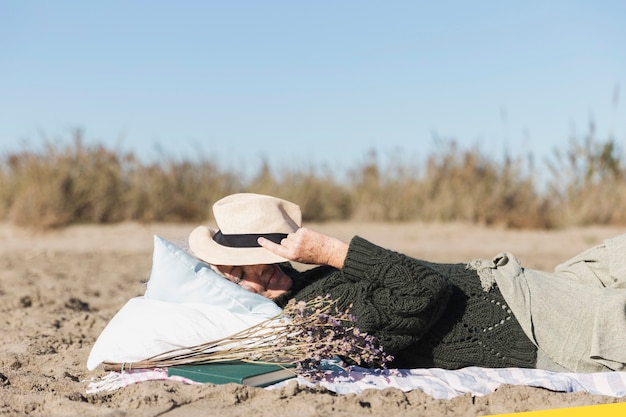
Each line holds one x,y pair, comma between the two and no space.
246,373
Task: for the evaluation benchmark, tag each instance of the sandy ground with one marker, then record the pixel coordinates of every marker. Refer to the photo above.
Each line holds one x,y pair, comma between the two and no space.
59,289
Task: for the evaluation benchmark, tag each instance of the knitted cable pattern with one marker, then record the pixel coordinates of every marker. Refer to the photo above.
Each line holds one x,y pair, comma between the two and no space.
477,329
425,314
392,296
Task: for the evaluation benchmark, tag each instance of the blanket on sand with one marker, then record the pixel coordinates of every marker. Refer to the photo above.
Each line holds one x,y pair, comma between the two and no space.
438,383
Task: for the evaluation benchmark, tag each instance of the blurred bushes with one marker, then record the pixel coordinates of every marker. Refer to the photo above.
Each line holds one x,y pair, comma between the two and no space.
77,183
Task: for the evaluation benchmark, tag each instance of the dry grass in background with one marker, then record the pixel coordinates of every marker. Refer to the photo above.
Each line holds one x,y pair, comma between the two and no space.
78,183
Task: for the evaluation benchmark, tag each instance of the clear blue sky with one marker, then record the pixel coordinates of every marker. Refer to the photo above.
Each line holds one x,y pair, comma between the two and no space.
313,82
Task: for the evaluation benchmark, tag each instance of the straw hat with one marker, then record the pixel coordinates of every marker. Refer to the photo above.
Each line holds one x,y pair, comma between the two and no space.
242,218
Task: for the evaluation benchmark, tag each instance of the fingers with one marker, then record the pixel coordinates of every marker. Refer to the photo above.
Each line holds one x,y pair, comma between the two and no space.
309,247
293,247
273,247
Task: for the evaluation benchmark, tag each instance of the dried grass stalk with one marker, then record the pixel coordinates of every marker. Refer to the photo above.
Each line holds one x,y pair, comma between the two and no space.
304,333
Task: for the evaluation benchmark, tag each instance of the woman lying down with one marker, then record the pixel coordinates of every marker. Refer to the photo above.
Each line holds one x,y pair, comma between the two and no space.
488,313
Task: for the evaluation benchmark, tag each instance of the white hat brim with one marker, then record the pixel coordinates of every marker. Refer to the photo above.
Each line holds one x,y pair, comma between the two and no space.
204,247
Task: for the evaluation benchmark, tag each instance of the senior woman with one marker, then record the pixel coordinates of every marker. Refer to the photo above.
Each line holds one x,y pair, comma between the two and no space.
482,313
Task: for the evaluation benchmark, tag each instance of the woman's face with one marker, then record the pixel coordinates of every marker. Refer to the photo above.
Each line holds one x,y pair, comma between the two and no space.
267,280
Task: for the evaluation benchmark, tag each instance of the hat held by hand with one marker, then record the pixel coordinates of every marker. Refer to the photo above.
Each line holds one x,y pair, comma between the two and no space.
242,218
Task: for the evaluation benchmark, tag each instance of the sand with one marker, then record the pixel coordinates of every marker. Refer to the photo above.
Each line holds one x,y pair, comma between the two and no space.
59,289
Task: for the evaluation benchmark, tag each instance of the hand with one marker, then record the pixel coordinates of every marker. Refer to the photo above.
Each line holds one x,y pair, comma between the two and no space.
309,247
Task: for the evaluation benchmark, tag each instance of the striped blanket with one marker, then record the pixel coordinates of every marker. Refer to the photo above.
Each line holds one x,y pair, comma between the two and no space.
438,383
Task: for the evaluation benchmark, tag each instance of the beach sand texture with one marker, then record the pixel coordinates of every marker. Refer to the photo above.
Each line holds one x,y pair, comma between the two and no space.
59,289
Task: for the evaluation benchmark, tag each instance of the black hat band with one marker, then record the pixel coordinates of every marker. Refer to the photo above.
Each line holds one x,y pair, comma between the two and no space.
246,240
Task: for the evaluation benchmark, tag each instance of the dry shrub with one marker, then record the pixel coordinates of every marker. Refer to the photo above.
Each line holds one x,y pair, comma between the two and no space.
67,185
603,203
90,184
467,186
79,183
39,206
319,195
588,183
388,191
175,191
6,192
456,185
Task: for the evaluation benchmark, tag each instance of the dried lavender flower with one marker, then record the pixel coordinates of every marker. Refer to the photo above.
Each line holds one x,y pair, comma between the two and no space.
305,333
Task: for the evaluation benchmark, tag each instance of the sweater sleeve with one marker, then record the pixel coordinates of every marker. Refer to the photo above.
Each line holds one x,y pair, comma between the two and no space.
394,297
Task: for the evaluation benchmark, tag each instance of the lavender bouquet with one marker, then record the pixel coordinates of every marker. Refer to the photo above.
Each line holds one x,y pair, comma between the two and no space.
304,334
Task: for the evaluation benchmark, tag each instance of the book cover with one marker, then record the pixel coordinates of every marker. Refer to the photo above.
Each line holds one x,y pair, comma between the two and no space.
246,373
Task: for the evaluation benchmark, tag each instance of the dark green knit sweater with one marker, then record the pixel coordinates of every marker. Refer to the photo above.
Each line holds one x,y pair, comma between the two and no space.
424,314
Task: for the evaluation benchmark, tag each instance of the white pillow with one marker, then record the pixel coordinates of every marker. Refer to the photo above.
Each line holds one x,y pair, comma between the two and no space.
144,328
179,277
186,303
